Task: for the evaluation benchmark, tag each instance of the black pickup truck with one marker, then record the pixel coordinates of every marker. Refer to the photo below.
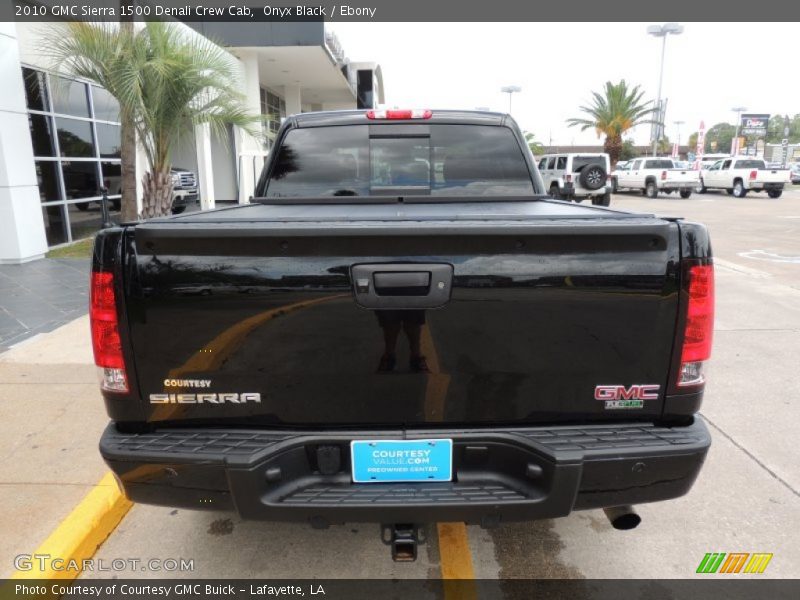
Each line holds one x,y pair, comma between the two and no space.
402,327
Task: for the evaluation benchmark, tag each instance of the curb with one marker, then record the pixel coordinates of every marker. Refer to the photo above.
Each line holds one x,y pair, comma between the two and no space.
81,533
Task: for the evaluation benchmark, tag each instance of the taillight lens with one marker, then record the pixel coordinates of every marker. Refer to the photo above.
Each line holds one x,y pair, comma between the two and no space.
663,175
568,177
399,114
699,329
753,174
106,342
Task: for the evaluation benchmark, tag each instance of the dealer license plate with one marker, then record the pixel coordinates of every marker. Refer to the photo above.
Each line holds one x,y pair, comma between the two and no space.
381,461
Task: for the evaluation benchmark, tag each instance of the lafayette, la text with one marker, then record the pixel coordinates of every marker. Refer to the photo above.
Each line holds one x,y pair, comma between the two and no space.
178,589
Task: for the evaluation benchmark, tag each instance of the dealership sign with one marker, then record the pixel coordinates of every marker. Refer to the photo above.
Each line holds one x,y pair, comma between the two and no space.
754,125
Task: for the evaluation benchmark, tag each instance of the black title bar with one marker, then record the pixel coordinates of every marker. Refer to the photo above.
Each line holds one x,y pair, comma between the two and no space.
265,11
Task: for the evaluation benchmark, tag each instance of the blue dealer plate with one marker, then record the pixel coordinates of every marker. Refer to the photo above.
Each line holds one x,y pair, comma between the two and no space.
401,460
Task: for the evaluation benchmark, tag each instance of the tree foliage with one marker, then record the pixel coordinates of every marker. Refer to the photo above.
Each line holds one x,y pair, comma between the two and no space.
167,82
536,147
628,150
611,113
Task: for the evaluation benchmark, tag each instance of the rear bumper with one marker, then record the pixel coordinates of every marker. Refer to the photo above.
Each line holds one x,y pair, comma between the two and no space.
758,186
500,475
678,185
568,191
182,197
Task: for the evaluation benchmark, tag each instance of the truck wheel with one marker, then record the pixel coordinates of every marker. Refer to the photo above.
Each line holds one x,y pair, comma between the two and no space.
686,194
603,200
651,191
729,191
554,192
700,188
738,189
176,210
774,193
613,185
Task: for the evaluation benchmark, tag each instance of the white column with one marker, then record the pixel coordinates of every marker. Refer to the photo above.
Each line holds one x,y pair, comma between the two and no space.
291,94
205,170
22,233
142,167
248,168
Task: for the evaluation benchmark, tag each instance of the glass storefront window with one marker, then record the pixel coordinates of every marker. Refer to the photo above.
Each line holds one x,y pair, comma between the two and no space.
41,135
85,218
80,179
69,97
83,152
75,138
109,140
47,178
106,107
35,89
55,225
112,177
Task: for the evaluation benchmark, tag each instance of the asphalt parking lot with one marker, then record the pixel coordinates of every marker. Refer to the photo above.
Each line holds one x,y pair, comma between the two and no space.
747,498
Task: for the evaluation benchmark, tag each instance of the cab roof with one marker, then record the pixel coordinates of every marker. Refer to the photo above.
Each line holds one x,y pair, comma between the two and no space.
359,117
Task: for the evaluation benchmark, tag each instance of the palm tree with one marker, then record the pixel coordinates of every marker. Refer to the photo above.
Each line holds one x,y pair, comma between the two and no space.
613,113
535,145
166,81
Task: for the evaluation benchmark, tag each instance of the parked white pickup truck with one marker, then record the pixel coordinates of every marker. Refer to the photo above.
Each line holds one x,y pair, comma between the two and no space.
739,174
654,175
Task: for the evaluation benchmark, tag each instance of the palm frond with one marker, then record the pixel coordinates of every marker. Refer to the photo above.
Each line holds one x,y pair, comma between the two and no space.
165,79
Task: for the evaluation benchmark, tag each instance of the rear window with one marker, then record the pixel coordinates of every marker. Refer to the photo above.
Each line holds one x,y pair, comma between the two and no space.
658,164
749,164
364,160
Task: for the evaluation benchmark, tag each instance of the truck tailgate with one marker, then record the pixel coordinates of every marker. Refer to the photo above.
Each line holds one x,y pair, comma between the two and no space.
250,316
683,176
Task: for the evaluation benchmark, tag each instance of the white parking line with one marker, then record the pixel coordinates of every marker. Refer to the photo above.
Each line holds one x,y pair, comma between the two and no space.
731,266
770,256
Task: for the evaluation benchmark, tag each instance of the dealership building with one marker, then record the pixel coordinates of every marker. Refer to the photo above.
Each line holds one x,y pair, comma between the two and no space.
60,136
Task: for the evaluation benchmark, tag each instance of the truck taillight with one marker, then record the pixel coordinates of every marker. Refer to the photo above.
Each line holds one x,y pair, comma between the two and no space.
753,174
663,175
106,342
568,177
399,114
699,329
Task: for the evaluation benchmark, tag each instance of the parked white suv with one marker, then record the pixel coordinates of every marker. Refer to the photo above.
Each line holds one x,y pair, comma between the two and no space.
577,176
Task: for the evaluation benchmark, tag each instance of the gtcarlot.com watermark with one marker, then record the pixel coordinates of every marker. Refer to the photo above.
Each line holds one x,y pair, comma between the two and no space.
45,562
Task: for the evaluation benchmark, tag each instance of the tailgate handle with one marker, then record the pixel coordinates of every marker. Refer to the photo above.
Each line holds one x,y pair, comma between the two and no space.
413,283
402,285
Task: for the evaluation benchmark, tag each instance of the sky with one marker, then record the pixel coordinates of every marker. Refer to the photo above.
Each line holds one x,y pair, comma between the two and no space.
708,69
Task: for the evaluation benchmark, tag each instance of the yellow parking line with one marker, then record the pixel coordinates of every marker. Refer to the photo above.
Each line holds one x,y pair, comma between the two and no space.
81,533
454,549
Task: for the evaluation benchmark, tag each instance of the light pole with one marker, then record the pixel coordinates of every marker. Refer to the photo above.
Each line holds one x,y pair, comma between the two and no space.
738,110
662,31
510,90
678,126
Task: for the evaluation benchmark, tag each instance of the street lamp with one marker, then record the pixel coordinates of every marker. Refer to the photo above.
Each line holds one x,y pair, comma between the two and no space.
662,31
678,126
510,90
738,110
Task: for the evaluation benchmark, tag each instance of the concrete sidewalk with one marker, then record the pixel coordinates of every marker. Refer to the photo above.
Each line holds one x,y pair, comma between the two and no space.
40,296
53,414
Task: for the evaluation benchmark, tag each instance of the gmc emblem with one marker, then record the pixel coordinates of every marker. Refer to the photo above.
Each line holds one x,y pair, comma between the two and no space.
621,392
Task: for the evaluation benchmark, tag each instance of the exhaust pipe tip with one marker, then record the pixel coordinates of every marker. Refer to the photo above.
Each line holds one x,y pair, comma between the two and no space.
623,518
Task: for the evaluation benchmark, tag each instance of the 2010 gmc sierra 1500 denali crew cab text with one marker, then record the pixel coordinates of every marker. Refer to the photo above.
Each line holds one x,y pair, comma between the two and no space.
403,328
